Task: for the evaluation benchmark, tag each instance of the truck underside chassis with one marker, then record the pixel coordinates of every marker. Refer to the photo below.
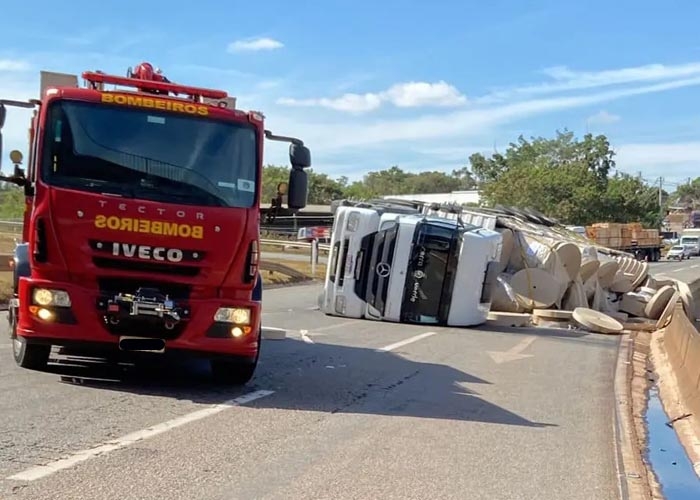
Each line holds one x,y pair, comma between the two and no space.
651,254
141,323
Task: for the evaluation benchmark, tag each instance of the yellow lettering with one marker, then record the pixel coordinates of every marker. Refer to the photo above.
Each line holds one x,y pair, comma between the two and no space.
170,229
156,227
154,103
113,223
126,224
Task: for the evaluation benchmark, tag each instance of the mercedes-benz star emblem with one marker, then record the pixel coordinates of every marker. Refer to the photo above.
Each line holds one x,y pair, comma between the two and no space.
383,269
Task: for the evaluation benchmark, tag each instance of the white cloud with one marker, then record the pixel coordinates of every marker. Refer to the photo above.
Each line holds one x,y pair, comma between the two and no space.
14,65
566,79
415,94
603,118
402,95
352,103
464,123
255,44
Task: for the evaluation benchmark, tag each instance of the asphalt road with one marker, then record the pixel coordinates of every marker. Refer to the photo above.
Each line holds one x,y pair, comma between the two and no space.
340,409
687,270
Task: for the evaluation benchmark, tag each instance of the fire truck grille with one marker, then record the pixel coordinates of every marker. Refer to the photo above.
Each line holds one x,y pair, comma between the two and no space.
111,286
145,267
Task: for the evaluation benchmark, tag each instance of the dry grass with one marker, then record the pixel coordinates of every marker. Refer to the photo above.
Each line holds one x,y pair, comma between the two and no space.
272,278
5,286
7,242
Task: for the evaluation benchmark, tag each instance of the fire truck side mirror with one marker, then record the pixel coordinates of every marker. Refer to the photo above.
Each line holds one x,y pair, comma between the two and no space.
299,156
298,188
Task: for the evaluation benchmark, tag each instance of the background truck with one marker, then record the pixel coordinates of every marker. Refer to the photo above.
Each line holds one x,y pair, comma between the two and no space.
690,238
141,228
390,262
644,244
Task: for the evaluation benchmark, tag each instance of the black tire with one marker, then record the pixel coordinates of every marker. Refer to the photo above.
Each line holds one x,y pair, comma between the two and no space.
235,371
26,354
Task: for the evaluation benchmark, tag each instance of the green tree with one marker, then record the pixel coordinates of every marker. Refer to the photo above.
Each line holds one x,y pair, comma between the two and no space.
563,177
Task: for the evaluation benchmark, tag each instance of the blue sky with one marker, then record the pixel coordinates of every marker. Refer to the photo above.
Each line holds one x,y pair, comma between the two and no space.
372,84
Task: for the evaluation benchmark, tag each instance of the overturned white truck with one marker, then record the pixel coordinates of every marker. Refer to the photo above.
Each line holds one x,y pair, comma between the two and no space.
389,261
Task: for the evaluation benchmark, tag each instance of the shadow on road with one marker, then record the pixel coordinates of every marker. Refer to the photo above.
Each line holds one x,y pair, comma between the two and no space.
320,378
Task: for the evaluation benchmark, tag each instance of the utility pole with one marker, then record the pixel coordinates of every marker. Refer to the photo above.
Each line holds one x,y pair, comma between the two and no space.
661,201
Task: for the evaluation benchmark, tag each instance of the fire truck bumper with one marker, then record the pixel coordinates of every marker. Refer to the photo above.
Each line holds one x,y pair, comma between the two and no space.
70,315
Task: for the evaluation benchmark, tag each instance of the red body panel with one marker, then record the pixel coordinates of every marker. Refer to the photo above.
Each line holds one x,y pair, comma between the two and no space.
73,218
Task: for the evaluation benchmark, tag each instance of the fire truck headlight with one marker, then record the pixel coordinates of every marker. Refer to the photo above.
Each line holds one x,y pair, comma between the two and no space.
237,315
47,297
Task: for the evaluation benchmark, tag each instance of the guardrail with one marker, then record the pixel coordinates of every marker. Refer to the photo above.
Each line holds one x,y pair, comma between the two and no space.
298,244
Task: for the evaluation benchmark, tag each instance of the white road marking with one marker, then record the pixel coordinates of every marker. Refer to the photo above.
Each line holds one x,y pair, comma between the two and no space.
514,353
695,266
678,270
409,340
34,473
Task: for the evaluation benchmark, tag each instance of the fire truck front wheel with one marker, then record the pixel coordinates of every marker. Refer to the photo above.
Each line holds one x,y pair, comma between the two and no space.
234,371
26,353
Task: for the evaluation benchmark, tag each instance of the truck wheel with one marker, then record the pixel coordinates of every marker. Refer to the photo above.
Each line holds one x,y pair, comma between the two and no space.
26,354
235,372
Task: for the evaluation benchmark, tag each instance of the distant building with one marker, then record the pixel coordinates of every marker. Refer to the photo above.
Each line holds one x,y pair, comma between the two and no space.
460,197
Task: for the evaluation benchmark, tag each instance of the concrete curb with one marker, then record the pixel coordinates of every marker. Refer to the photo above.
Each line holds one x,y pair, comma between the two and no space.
675,354
634,478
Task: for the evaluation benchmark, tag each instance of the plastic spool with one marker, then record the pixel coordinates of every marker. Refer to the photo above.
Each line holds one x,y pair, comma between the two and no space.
633,304
648,290
269,333
658,302
535,288
596,321
667,313
588,269
570,257
621,284
626,265
688,300
507,248
552,314
607,272
651,282
642,275
575,296
508,319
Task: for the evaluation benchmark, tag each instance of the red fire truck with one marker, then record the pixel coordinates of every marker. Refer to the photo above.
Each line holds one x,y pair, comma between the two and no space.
141,226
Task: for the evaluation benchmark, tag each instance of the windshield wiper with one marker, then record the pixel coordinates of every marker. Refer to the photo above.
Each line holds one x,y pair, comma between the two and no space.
191,193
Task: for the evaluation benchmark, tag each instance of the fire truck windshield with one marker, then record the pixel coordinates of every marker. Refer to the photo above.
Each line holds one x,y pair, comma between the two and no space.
150,154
